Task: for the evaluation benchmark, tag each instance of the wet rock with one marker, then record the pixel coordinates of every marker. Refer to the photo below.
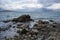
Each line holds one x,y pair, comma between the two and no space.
6,21
43,22
29,35
32,38
10,25
13,26
51,20
26,36
40,22
6,28
16,36
54,26
39,26
15,20
43,38
0,29
36,25
43,29
18,31
19,24
24,31
23,18
23,26
55,23
33,32
51,39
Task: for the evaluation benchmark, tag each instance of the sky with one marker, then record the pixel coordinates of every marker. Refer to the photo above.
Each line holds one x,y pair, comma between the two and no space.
29,4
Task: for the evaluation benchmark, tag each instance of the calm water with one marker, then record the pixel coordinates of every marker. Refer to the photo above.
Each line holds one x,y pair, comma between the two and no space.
11,15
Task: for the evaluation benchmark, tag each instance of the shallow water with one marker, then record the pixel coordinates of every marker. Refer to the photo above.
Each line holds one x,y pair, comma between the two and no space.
36,16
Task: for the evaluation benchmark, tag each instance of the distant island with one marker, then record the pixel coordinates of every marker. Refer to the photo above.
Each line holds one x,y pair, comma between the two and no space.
3,10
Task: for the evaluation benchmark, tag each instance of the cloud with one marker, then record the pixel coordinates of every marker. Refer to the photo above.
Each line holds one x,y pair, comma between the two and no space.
19,4
29,4
54,6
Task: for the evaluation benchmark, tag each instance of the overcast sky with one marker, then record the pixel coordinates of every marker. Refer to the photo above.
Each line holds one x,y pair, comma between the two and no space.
27,4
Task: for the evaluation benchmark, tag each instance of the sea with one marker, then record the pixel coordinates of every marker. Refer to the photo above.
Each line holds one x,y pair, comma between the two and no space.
35,16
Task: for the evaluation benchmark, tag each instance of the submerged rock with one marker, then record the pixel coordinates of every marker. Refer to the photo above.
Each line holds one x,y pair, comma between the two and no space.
51,20
6,21
23,18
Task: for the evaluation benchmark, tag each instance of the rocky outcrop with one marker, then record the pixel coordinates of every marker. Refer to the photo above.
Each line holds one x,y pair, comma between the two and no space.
23,18
44,30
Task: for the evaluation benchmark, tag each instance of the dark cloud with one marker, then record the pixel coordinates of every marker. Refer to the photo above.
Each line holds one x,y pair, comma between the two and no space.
48,2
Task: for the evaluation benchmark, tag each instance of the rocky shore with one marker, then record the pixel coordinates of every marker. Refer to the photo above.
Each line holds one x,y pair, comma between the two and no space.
25,28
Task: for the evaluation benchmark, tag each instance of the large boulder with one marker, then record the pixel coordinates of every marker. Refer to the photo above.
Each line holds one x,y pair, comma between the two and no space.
23,18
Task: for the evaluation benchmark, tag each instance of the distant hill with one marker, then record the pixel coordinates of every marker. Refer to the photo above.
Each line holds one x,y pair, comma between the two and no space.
42,10
6,11
3,10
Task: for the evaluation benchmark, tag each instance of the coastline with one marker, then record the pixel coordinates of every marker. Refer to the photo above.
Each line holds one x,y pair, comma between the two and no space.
25,29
